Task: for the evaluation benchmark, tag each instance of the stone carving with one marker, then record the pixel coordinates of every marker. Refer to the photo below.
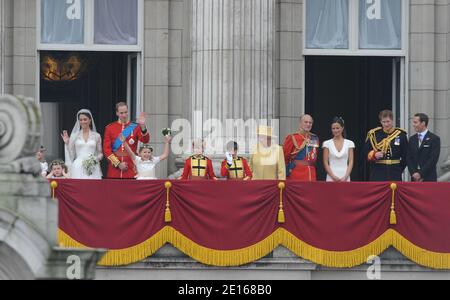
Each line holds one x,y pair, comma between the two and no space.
446,170
20,134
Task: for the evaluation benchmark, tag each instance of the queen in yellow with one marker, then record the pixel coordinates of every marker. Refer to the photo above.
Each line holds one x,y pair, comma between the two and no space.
267,158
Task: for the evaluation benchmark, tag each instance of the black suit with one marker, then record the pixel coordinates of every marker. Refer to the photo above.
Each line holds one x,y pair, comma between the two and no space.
423,159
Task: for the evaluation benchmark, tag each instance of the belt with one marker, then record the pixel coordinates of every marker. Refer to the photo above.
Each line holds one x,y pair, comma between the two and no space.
304,163
388,162
121,153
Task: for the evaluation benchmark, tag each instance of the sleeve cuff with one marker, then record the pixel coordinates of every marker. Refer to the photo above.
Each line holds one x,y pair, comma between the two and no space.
371,156
114,160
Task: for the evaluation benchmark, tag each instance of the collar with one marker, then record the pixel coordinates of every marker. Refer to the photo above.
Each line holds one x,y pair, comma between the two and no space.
389,131
128,122
303,132
423,133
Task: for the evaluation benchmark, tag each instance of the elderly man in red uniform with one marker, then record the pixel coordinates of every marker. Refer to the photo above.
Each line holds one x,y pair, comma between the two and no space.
120,165
300,152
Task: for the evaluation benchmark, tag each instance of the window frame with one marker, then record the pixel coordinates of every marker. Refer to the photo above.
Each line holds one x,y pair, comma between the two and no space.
353,35
89,44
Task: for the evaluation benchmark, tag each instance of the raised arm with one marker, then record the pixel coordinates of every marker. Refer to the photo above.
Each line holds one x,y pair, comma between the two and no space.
69,148
127,147
168,141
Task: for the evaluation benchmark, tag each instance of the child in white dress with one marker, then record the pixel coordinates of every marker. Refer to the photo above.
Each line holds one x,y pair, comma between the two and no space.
145,163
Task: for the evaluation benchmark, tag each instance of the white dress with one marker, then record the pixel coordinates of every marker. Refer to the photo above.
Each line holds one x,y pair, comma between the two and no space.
338,160
146,169
79,150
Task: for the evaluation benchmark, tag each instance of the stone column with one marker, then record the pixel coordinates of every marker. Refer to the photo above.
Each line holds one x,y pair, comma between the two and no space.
232,70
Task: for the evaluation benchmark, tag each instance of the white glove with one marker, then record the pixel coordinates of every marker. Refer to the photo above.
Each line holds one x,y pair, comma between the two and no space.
229,158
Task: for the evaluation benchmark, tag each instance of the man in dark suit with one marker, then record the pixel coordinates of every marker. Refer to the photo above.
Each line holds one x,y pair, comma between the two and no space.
423,152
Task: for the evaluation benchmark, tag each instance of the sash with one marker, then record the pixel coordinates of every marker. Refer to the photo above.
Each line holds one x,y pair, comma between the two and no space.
126,132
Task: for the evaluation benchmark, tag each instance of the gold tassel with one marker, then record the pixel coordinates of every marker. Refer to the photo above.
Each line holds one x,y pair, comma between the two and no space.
53,185
393,216
167,214
281,218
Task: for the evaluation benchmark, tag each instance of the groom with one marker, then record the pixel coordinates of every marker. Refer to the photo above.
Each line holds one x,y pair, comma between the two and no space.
120,164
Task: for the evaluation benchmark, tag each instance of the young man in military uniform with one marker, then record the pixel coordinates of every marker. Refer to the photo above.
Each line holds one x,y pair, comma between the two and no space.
386,148
235,167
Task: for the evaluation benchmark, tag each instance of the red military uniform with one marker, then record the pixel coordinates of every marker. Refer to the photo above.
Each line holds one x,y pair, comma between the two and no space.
198,167
112,131
238,170
300,154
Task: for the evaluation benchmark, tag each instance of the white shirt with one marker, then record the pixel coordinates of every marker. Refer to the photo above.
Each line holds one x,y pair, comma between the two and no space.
146,169
421,136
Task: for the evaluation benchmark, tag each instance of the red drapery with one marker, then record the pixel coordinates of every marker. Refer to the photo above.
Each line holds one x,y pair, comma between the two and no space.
235,222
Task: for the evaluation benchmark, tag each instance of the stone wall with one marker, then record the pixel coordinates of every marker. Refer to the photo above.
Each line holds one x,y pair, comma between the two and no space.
429,80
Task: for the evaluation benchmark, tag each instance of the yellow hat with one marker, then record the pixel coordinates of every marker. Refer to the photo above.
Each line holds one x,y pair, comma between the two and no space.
265,130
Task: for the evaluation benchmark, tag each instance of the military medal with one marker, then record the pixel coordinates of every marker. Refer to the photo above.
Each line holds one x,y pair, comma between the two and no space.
397,141
131,141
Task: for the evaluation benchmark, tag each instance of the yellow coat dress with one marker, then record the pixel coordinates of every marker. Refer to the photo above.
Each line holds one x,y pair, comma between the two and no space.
268,163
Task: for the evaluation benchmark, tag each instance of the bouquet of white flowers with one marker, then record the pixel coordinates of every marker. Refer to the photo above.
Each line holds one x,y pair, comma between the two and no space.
89,164
166,131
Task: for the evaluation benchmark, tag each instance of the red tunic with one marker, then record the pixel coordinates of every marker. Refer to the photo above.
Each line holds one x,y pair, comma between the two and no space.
206,172
237,171
112,131
300,154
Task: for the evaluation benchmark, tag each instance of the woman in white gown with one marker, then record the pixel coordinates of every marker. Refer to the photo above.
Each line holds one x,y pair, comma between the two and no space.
338,153
83,148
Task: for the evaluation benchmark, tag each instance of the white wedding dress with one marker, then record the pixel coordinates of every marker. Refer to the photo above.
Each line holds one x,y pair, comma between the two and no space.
78,149
338,160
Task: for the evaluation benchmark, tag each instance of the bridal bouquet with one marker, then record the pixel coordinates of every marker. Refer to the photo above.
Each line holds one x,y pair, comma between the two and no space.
166,131
89,164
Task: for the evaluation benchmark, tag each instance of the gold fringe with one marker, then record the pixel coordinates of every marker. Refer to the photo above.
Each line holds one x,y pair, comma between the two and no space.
136,253
65,241
223,258
336,259
420,256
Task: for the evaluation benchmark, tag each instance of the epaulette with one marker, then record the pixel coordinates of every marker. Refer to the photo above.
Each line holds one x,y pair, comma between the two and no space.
372,131
402,130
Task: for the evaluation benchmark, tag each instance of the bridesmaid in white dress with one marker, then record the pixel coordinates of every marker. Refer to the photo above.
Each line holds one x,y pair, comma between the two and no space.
84,143
338,153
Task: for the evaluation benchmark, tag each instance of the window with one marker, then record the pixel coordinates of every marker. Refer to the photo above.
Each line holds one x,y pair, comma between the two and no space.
90,25
62,22
327,24
355,27
380,24
115,22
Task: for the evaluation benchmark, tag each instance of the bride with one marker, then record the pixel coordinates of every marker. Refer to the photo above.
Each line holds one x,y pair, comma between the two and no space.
83,148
